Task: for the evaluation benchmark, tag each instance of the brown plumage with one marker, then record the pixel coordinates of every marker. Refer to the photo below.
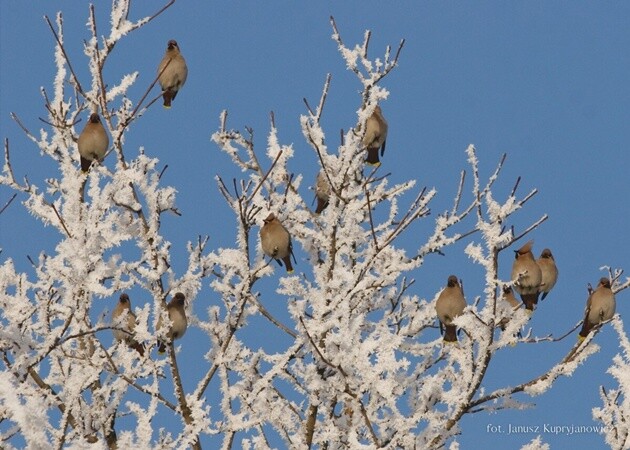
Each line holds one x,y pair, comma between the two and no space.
450,304
276,241
375,136
124,321
526,275
172,76
549,272
93,142
179,323
600,307
322,192
508,296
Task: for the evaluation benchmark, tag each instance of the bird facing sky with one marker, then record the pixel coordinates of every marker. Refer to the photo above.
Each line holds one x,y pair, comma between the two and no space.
172,72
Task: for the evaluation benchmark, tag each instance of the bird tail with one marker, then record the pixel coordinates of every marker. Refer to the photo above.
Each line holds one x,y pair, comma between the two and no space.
450,333
530,301
586,329
85,164
321,205
168,97
372,157
287,262
161,347
137,346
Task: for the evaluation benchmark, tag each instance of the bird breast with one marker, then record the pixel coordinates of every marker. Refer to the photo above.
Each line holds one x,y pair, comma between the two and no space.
180,323
175,74
375,133
450,304
530,282
275,241
127,324
93,143
322,188
603,307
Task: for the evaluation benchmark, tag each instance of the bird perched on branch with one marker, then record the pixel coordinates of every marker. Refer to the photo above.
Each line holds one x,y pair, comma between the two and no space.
527,276
450,304
276,241
172,73
322,192
375,136
508,296
124,321
179,323
600,307
549,271
93,142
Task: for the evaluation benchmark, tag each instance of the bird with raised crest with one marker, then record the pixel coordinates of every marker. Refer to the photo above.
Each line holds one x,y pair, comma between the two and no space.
172,73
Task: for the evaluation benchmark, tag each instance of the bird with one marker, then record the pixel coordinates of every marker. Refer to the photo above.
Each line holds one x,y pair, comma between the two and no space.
508,296
527,276
375,136
549,271
450,304
93,142
172,76
600,307
124,321
276,241
322,192
179,323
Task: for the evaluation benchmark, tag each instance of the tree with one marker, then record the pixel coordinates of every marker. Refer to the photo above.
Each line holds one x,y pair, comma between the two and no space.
361,362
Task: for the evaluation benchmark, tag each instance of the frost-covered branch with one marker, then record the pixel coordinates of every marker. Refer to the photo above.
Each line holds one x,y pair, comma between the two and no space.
350,355
615,412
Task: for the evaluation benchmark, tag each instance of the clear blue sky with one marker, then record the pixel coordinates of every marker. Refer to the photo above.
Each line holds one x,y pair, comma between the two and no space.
546,82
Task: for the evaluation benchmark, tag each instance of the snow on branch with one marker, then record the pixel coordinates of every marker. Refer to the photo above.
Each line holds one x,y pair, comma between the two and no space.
350,353
615,412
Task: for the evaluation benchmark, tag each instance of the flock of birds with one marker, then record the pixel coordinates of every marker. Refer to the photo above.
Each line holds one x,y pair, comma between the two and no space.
124,323
530,277
275,239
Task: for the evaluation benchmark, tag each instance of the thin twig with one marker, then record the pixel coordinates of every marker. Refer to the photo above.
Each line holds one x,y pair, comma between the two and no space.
275,161
460,190
529,229
8,203
518,180
65,55
132,116
63,224
369,207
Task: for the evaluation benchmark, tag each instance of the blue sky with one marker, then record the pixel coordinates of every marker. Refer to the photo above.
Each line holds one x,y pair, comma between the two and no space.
544,82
